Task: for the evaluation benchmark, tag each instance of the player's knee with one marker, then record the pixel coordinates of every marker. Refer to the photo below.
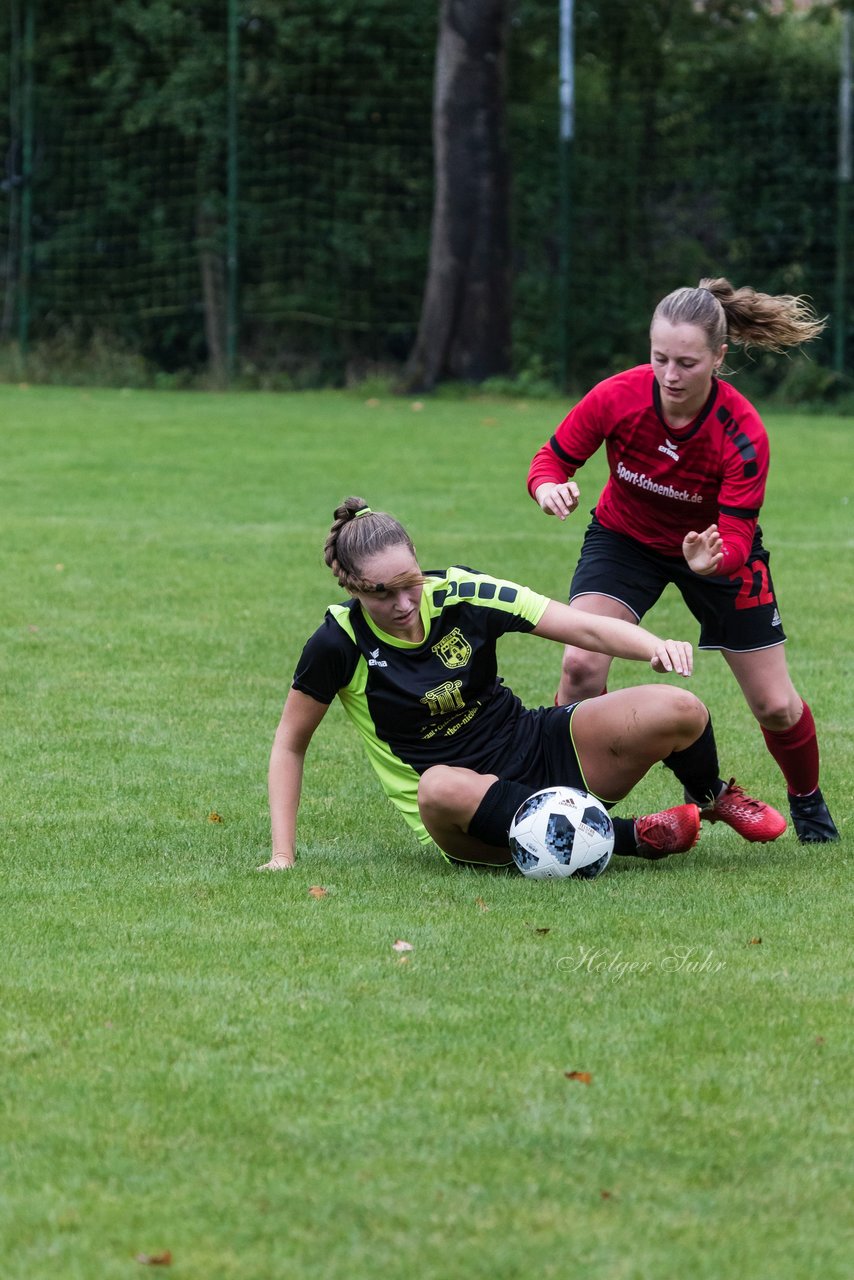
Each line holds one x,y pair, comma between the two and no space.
776,712
434,787
449,794
687,712
444,793
584,673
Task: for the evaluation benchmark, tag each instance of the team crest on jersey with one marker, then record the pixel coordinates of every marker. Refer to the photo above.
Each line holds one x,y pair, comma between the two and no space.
453,649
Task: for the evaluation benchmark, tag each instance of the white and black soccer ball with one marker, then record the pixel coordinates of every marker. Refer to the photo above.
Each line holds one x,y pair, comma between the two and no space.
560,832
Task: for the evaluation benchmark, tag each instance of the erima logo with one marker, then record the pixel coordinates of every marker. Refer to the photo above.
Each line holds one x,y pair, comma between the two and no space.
375,660
669,448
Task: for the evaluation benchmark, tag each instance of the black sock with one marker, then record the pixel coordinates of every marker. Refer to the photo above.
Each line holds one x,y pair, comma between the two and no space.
492,817
625,843
697,767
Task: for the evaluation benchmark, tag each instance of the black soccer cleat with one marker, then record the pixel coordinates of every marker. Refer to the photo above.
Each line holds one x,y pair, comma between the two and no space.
811,819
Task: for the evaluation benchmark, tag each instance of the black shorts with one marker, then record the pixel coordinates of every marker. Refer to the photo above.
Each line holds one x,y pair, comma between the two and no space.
738,613
544,756
545,753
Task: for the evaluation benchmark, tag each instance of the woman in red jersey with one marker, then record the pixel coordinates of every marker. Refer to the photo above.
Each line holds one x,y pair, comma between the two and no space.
688,457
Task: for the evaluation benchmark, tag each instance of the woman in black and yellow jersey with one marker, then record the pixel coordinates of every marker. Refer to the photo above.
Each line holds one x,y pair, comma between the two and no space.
412,656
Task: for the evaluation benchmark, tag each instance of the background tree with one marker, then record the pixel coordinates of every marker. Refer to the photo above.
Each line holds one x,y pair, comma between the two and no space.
464,331
705,143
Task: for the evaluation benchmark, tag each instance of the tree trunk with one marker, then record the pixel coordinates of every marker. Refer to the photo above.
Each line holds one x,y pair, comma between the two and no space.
464,331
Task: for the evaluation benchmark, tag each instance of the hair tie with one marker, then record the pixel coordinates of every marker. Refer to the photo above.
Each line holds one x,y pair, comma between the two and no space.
363,511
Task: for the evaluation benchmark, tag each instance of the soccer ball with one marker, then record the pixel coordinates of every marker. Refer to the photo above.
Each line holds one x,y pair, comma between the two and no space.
561,832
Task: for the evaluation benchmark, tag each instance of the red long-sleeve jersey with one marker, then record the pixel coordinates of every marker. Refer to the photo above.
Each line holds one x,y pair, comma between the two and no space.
665,482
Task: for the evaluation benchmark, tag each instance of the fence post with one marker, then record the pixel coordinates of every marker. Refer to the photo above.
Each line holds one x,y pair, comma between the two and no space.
231,317
566,132
26,250
843,175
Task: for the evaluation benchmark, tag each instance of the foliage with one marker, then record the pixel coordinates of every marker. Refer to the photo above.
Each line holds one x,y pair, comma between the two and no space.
705,143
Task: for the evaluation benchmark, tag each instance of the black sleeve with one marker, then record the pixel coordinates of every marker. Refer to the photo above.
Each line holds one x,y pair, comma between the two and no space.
327,662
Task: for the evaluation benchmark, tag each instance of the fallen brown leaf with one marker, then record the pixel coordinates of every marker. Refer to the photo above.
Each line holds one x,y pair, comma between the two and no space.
213,816
163,1259
480,902
318,891
754,942
583,1077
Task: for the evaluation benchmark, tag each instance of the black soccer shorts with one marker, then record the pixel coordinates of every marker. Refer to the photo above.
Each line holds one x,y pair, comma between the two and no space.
543,755
738,613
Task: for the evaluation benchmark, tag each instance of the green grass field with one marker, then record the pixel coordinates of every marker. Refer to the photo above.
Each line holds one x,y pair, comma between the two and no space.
205,1061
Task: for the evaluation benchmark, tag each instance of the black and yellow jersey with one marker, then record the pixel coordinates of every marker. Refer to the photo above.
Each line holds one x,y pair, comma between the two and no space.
438,701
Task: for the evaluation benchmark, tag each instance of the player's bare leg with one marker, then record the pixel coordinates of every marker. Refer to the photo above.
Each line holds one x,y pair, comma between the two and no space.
620,737
450,801
789,731
448,798
764,679
584,674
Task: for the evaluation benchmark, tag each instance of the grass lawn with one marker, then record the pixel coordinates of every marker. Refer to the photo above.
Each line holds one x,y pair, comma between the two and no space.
643,1077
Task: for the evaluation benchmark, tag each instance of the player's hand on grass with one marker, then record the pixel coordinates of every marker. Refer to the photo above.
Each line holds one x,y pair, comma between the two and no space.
278,862
704,551
558,499
674,656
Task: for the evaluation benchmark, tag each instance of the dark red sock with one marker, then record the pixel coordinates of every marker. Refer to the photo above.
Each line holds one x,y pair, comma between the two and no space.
796,752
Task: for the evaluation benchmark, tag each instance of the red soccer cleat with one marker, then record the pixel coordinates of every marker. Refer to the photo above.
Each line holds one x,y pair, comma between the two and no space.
673,831
752,819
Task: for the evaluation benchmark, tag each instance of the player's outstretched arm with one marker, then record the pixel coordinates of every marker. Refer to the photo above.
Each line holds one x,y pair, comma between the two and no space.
300,718
615,637
704,551
558,499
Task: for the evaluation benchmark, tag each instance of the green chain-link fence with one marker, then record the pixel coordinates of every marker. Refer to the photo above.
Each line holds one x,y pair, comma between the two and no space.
249,186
